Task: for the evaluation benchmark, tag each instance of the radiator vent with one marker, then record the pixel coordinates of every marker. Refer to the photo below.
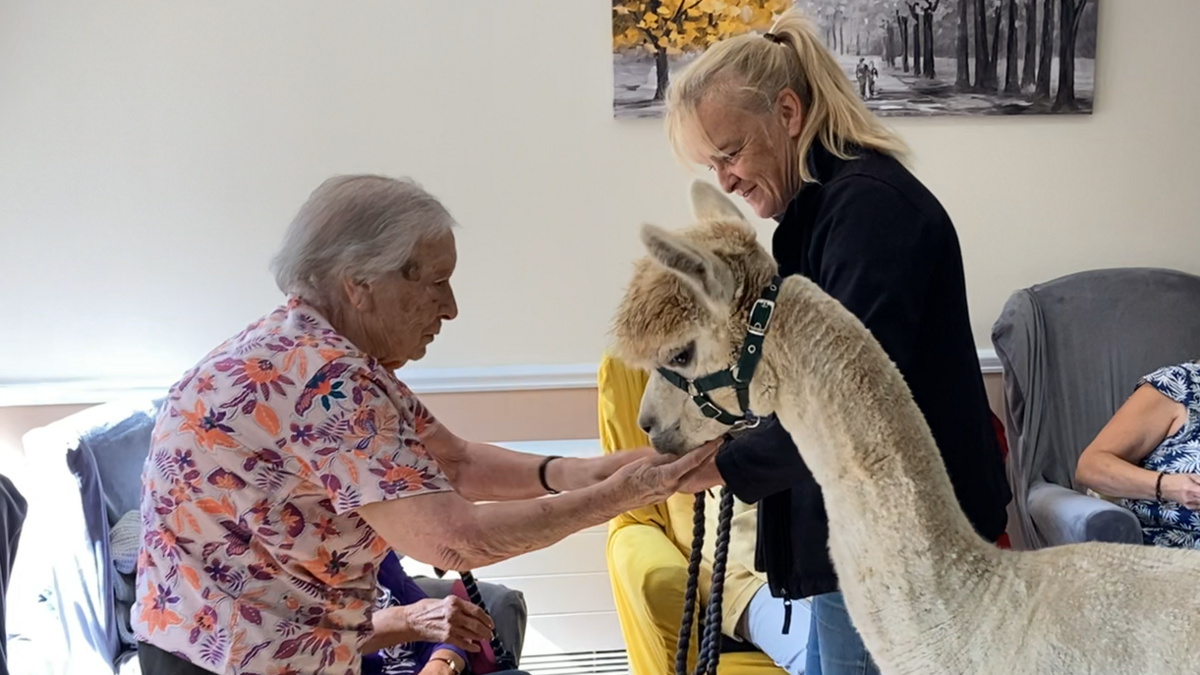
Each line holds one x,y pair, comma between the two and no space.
614,662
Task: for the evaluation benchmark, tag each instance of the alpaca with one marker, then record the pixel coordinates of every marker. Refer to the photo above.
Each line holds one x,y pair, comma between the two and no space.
928,595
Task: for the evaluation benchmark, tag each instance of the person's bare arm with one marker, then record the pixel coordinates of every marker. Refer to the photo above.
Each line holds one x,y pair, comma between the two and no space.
484,472
447,531
1109,463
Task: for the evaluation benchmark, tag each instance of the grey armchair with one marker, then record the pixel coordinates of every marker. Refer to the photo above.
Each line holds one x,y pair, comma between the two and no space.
1072,350
12,517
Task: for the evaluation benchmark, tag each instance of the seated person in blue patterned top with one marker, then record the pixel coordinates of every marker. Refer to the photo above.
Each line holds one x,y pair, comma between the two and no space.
418,635
1149,456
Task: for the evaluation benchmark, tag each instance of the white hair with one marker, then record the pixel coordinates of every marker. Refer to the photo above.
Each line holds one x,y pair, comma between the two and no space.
358,227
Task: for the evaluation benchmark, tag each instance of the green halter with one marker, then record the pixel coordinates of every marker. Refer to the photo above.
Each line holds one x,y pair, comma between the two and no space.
740,374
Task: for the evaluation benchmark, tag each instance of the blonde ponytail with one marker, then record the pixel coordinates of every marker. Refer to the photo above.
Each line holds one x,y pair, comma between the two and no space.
751,69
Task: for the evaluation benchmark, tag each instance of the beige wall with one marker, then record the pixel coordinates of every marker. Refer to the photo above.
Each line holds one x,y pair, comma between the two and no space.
153,153
14,422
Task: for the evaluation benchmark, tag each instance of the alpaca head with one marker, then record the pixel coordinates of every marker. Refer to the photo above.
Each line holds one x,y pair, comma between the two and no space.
686,309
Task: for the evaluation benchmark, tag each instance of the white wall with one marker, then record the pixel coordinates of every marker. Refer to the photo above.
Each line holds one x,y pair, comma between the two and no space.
151,153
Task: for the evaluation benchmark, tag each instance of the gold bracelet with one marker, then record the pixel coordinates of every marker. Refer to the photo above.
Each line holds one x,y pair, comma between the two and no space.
453,666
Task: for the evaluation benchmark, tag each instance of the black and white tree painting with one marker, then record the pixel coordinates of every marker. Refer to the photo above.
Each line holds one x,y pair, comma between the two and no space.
910,57
963,57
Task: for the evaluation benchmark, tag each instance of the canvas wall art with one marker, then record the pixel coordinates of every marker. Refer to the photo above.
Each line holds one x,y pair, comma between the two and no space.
903,57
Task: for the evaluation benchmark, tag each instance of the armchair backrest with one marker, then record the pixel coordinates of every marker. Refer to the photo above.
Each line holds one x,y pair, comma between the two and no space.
12,518
88,469
619,394
1072,350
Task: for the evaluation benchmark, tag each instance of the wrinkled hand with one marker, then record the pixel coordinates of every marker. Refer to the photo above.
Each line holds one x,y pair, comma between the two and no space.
451,621
1182,488
705,475
651,479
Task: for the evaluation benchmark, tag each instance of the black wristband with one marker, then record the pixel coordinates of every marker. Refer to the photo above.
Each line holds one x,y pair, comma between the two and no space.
1158,487
542,473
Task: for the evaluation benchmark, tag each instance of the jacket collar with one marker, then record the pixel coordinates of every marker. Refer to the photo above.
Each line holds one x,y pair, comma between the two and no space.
822,165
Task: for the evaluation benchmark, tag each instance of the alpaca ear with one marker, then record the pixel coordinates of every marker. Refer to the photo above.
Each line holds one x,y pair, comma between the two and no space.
710,277
710,204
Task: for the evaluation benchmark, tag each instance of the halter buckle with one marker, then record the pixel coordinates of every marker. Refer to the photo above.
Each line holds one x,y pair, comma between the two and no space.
710,410
760,329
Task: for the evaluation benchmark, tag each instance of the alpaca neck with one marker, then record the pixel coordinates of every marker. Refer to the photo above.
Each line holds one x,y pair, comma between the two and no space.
897,534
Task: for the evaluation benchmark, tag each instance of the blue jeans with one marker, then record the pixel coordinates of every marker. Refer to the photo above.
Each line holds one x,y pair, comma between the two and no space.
834,646
762,626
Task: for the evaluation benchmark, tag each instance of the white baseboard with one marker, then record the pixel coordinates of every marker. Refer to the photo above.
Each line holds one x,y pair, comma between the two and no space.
421,380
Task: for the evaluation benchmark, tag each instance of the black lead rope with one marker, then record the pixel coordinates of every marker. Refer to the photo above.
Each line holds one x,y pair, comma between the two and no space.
504,658
690,593
708,648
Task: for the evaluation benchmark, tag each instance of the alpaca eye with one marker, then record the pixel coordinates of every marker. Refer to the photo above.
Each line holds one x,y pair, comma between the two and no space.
683,357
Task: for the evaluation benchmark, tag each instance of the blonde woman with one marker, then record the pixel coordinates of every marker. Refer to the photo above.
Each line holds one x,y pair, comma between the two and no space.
776,119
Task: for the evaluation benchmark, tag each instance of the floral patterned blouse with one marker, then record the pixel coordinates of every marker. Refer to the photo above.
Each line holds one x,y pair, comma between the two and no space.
1168,523
253,559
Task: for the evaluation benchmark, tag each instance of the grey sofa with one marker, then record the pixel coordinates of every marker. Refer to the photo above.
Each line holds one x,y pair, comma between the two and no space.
1072,350
72,611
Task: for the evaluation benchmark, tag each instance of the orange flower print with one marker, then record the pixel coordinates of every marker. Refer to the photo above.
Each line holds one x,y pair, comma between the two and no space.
205,619
325,528
420,423
371,427
318,640
292,520
180,493
156,612
207,427
255,376
328,566
204,384
395,478
225,480
260,371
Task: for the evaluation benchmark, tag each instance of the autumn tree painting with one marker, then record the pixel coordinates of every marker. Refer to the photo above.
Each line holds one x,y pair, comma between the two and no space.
651,36
905,57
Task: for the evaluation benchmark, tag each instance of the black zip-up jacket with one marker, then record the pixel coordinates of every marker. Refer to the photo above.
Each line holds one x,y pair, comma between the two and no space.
872,236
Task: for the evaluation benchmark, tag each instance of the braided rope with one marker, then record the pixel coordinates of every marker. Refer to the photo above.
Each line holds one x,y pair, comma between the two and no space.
720,557
693,580
708,650
504,659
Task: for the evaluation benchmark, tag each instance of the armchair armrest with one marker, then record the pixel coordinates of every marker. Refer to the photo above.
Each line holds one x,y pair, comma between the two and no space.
648,576
1064,516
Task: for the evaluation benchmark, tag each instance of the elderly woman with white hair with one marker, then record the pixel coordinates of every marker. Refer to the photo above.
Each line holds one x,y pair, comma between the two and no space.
290,460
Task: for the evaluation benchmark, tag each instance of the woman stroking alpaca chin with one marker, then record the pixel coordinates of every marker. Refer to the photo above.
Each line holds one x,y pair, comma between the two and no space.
928,595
